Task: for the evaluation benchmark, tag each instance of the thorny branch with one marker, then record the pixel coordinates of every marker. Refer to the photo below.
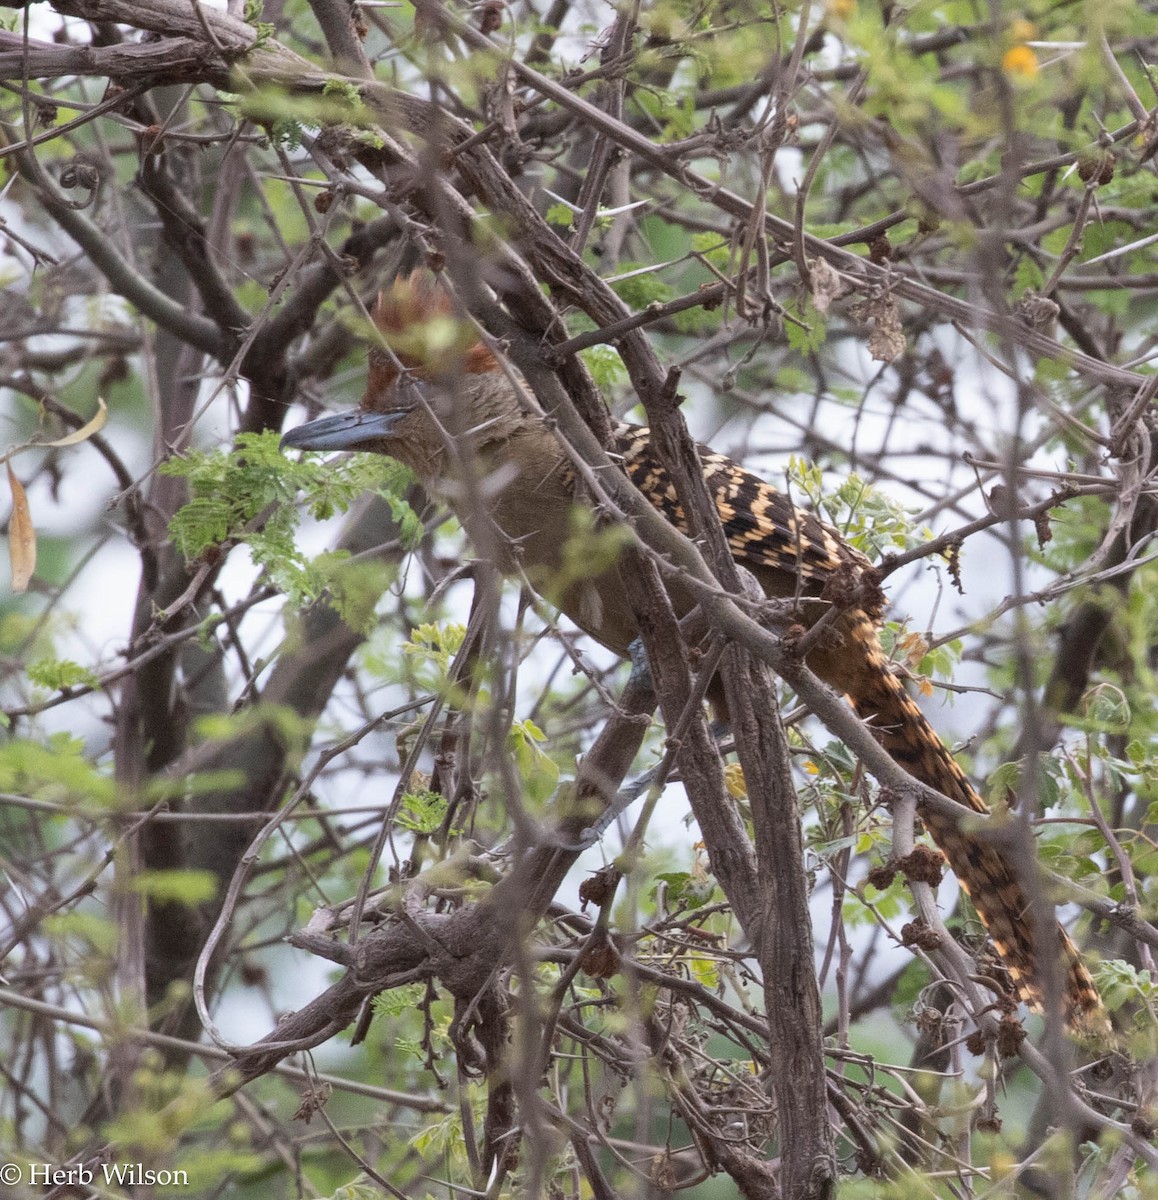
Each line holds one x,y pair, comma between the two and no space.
238,313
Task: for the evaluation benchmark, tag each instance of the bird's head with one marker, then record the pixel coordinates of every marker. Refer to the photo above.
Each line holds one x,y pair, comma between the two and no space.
432,379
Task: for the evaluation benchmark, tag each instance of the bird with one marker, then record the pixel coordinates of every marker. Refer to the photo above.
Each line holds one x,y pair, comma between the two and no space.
423,409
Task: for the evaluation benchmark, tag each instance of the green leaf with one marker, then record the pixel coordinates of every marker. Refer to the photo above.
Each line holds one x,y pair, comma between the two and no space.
687,891
539,773
395,1001
246,495
184,886
809,331
56,771
98,933
422,812
643,288
605,365
435,644
58,674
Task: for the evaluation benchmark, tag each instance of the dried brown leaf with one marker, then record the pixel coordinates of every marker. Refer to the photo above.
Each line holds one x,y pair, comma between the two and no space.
85,431
887,340
21,536
827,284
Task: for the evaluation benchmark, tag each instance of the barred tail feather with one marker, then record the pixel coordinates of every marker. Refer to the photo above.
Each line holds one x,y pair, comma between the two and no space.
984,869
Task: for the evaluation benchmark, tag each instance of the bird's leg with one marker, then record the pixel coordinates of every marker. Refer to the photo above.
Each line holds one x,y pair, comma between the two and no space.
656,777
620,803
694,629
640,668
640,678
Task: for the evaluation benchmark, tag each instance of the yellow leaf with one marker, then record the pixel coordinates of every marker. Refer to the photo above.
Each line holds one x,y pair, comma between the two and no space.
734,782
21,536
705,971
1002,1165
913,647
85,431
924,686
1020,61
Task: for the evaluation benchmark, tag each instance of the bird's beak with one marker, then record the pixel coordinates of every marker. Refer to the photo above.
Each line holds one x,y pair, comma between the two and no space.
345,431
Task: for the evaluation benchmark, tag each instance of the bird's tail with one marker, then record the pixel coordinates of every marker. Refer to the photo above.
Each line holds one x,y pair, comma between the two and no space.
985,870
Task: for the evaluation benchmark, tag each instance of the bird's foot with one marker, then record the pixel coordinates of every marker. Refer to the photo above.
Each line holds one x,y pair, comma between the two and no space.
620,803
